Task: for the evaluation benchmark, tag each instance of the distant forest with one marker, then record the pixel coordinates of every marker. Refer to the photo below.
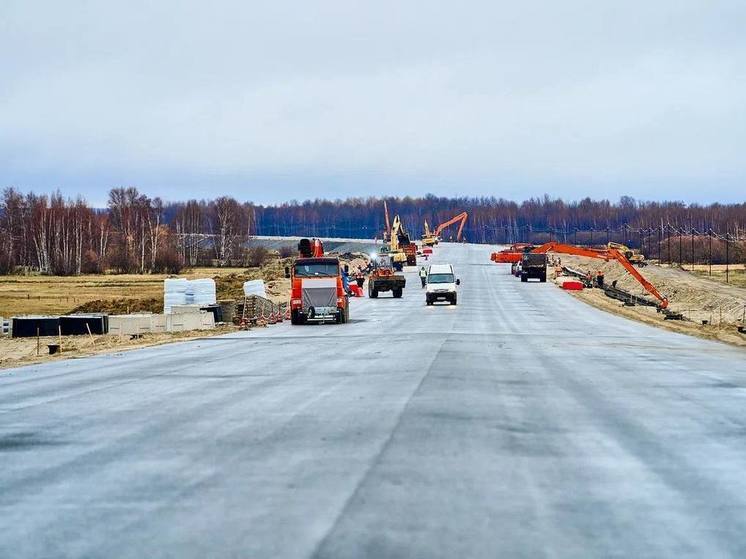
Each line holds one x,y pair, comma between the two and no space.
137,234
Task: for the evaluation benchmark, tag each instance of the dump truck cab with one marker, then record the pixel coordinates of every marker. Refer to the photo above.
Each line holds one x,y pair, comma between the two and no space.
317,291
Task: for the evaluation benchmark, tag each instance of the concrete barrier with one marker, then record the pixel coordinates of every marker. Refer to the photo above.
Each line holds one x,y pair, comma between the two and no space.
184,322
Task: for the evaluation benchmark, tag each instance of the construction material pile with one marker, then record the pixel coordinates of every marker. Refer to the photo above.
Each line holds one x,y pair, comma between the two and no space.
180,291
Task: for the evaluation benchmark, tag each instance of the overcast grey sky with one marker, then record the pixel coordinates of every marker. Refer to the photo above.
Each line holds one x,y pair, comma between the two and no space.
270,101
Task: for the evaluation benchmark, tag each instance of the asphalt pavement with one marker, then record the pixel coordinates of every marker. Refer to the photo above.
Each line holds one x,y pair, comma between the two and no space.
519,423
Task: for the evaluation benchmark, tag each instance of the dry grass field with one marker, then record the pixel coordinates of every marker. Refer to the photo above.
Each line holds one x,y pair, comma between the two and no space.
736,273
38,294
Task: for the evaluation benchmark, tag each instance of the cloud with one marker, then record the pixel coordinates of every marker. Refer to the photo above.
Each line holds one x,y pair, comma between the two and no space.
571,98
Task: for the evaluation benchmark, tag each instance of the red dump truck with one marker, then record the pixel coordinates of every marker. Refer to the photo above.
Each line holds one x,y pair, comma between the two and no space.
316,292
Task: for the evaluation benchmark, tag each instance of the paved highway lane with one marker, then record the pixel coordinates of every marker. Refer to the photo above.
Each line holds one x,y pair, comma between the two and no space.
521,423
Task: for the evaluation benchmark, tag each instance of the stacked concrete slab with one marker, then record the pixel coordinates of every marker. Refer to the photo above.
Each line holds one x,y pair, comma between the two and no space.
136,324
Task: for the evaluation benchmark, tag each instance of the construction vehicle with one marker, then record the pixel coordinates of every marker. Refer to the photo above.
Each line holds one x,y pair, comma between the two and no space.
510,255
635,257
401,249
317,291
603,254
533,265
462,217
606,255
429,238
384,278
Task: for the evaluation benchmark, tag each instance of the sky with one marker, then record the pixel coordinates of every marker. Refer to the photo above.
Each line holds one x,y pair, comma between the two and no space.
274,101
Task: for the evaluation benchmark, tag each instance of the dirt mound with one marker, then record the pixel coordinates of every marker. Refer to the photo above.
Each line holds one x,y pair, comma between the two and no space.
698,298
121,306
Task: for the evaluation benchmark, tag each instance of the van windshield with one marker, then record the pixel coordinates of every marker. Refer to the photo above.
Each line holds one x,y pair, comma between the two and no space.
316,270
440,278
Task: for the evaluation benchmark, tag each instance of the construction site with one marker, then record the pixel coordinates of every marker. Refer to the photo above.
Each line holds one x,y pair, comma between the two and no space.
123,312
324,380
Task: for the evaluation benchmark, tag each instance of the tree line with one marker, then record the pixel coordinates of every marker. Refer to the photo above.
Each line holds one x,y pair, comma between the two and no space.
134,233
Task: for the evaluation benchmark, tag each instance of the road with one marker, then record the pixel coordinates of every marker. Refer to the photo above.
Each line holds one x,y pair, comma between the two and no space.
521,423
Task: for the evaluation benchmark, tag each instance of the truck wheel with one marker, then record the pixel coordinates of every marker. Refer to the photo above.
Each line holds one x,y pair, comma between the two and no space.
372,291
524,277
397,293
374,294
296,319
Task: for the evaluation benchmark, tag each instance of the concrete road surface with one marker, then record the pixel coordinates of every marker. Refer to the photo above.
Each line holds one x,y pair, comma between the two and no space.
521,423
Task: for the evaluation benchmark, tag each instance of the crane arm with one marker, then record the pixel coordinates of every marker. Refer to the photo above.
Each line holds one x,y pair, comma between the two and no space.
386,213
462,217
608,254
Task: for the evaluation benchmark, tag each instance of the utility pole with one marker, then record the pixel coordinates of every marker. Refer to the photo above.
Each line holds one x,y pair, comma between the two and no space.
692,254
668,242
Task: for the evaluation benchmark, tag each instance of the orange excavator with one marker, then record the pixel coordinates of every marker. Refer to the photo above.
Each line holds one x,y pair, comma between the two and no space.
605,254
511,254
462,217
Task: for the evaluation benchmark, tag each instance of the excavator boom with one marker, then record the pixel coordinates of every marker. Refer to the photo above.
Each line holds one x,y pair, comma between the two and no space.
388,223
462,217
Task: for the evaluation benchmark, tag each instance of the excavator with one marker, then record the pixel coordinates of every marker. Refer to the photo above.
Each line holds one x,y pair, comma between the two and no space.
633,256
401,249
603,254
462,217
429,238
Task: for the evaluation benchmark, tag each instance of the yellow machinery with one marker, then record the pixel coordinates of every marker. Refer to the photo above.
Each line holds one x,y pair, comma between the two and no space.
634,256
429,238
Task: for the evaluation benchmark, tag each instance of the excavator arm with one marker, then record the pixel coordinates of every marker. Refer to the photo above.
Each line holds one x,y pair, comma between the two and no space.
624,261
604,254
462,217
388,223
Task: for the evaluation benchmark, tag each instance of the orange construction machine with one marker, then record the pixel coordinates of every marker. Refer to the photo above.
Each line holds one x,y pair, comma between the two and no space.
605,254
317,292
462,217
511,254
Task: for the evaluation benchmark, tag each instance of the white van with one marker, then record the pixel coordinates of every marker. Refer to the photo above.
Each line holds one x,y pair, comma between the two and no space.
441,284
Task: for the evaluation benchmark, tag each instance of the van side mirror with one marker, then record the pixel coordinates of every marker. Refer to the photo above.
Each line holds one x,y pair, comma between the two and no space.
287,271
458,282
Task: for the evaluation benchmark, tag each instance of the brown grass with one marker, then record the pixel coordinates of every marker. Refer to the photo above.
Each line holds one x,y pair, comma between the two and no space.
38,294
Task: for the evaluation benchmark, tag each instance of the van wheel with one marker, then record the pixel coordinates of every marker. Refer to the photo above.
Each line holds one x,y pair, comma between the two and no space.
453,301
